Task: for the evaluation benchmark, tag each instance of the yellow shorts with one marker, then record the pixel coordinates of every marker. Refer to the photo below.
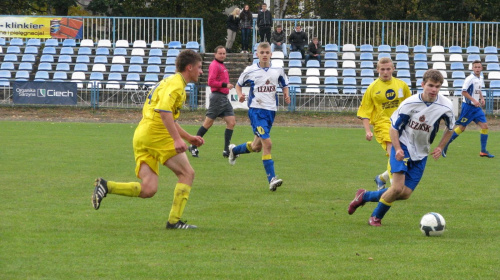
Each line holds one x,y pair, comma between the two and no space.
382,135
152,149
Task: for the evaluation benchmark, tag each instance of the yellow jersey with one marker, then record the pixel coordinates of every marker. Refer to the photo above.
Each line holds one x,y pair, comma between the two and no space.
381,99
167,96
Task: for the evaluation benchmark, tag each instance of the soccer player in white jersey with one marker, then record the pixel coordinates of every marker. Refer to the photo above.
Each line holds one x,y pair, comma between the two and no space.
413,127
473,100
262,100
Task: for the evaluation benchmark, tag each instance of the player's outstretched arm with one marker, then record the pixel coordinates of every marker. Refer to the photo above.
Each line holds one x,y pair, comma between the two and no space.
436,153
394,134
239,91
286,94
172,128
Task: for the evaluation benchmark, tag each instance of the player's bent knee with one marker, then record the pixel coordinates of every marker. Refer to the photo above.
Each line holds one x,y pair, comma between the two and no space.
148,190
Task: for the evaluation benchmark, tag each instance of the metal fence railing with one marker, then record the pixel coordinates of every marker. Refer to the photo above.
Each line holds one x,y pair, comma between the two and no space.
303,98
393,33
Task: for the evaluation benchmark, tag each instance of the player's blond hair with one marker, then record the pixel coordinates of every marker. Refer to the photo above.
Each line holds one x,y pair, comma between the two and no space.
433,75
264,45
384,60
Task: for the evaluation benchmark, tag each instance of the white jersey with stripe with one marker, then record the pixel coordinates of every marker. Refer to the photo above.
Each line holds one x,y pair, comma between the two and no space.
472,85
418,122
263,83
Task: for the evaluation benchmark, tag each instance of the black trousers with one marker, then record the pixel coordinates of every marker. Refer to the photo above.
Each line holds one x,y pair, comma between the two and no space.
265,32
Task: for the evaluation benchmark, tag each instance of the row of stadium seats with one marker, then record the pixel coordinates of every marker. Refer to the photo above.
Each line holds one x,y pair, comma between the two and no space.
101,43
89,51
406,49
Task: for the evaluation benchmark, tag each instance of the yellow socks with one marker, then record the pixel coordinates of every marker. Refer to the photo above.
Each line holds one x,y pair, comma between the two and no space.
181,195
127,189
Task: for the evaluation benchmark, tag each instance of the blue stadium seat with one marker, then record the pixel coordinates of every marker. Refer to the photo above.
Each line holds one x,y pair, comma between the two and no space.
95,79
366,48
403,74
495,87
101,59
294,63
155,52
366,65
4,76
102,51
402,65
31,50
154,60
133,77
473,49
28,58
331,56
83,59
136,60
175,45
491,58
420,49
10,57
45,66
367,73
173,52
60,76
26,66
22,76
49,50
313,63
169,69
51,43
457,86
384,48
492,67
331,85
349,85
455,49
7,66
381,55
2,41
119,51
402,49
170,61
153,69
407,81
13,49
328,64
34,42
67,51
402,56
117,68
192,45
367,81
64,58
150,77
135,68
115,77
41,76
366,56
491,50
349,72
62,67
81,67
294,55
16,42
421,65
84,51
458,75
69,43
331,48
472,57
295,83
456,66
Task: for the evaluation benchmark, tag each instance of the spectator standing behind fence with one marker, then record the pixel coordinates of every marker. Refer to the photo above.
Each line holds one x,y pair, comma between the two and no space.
278,39
297,40
314,50
246,23
265,23
233,24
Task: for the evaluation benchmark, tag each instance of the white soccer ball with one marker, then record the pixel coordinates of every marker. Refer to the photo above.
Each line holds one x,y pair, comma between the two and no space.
432,224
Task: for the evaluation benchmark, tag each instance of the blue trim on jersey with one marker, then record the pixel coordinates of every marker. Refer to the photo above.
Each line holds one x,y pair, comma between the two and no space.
158,110
401,123
470,91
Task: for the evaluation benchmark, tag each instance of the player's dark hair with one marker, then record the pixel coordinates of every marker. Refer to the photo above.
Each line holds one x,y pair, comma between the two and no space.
218,48
433,75
185,58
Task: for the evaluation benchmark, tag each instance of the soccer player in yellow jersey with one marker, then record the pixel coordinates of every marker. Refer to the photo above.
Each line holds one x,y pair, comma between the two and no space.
380,100
158,139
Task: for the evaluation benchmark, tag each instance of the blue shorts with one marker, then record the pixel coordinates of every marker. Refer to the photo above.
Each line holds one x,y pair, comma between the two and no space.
413,170
262,121
470,113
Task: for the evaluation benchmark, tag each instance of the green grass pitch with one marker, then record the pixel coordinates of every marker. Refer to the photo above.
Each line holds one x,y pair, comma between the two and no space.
49,230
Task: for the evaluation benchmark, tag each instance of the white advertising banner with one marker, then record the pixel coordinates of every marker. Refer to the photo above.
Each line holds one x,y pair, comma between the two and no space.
232,96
